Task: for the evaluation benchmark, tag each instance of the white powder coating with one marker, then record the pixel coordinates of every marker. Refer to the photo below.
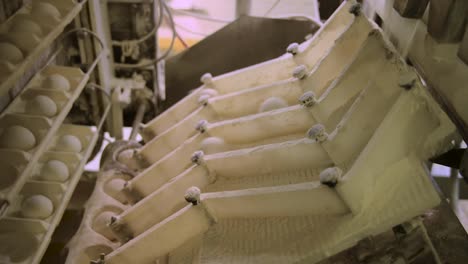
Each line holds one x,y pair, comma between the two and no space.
213,145
56,82
55,170
272,103
37,206
11,53
17,137
42,105
69,143
26,25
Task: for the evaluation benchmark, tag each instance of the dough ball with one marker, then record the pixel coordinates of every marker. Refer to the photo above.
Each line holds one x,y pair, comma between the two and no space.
18,245
42,105
114,188
17,137
11,53
43,9
26,25
127,158
272,103
100,224
37,206
213,145
56,82
55,170
69,143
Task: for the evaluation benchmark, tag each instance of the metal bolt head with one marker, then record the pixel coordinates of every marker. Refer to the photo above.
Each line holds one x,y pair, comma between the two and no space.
207,79
293,48
192,195
330,176
407,80
307,99
300,72
355,9
202,126
317,133
197,157
203,99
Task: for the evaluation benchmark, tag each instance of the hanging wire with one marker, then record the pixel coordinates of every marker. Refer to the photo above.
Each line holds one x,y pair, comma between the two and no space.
272,7
165,55
150,34
202,17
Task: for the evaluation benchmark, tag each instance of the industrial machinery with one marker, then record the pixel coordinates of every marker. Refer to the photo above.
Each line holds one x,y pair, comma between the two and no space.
296,138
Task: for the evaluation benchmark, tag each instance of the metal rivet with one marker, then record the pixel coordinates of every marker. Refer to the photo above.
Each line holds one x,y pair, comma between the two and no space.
300,72
293,48
197,157
355,9
201,126
407,80
192,195
330,176
308,99
317,133
206,79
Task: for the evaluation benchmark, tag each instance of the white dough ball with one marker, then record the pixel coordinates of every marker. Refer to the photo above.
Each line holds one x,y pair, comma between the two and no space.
42,105
272,103
69,143
43,9
37,206
213,145
127,157
101,224
55,170
56,82
26,25
114,188
17,137
10,53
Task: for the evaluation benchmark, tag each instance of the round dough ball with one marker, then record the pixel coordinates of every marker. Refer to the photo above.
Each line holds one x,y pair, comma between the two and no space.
127,157
10,53
18,245
213,145
9,174
272,103
42,105
37,206
55,170
17,137
101,224
114,188
26,25
46,10
69,143
56,82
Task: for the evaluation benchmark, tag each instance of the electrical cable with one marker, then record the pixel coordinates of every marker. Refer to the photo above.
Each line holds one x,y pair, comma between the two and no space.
195,15
191,31
147,36
272,7
168,51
